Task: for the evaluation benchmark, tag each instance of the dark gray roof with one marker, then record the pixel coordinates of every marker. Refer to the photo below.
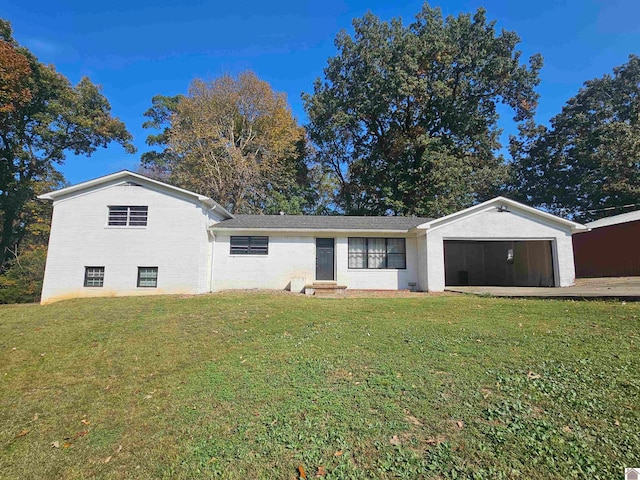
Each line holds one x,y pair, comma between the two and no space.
318,222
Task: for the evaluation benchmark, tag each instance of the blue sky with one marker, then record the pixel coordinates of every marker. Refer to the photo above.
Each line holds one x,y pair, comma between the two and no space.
138,49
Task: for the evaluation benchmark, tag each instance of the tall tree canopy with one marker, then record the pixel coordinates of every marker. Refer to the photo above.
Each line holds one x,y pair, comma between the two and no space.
587,164
42,117
406,117
234,139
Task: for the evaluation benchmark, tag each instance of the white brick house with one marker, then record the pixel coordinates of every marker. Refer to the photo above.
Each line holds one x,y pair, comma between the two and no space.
126,234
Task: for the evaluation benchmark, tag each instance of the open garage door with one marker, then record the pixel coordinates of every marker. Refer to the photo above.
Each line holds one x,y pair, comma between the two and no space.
517,263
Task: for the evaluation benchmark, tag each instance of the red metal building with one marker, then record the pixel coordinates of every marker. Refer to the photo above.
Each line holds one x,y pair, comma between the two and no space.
610,249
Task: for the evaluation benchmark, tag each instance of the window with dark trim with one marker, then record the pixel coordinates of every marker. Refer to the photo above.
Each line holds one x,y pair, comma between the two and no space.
244,245
93,276
128,216
147,276
376,253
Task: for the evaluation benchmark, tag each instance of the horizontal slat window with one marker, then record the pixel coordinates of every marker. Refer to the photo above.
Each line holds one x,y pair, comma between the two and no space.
376,253
128,216
138,216
93,276
147,276
118,216
247,245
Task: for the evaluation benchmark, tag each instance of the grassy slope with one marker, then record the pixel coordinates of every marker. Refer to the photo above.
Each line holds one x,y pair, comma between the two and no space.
252,386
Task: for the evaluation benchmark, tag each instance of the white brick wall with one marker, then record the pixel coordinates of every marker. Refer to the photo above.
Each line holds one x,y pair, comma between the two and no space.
373,279
421,247
288,257
295,256
175,240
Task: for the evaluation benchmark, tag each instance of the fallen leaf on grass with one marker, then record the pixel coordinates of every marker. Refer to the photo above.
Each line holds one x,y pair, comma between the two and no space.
66,444
119,449
84,421
338,453
414,420
107,460
566,429
617,423
55,444
532,376
35,417
301,472
321,472
435,440
81,434
22,433
394,440
460,424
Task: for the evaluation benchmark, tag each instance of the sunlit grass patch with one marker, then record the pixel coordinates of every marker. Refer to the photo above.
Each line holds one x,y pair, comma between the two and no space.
255,386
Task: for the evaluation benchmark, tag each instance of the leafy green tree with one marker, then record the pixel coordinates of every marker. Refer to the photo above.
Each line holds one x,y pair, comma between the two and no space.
21,282
158,164
21,279
234,139
406,116
588,162
42,118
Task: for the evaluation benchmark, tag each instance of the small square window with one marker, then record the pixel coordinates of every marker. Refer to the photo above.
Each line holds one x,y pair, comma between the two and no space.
93,276
148,277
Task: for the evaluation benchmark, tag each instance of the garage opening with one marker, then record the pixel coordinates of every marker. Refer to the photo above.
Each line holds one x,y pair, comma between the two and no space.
518,263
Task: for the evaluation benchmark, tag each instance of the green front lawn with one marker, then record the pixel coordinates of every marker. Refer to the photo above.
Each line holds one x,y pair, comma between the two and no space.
256,386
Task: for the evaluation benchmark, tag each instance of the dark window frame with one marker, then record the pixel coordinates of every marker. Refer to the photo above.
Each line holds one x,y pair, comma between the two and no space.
140,270
366,254
249,245
128,216
93,277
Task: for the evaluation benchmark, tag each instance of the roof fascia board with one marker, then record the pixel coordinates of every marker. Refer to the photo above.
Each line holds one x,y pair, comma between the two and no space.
122,175
310,231
489,204
615,220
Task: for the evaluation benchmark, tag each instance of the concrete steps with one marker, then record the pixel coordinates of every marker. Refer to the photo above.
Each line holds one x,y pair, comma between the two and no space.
325,289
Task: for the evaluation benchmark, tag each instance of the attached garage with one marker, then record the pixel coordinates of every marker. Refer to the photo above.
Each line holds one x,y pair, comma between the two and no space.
498,243
514,263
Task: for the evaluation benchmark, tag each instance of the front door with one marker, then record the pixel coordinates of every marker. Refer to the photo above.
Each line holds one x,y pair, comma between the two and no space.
324,259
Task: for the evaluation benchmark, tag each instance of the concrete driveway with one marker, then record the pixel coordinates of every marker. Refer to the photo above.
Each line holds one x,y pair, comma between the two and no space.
627,288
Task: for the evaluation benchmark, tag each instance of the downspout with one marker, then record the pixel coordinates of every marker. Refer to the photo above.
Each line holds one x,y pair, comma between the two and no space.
213,241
